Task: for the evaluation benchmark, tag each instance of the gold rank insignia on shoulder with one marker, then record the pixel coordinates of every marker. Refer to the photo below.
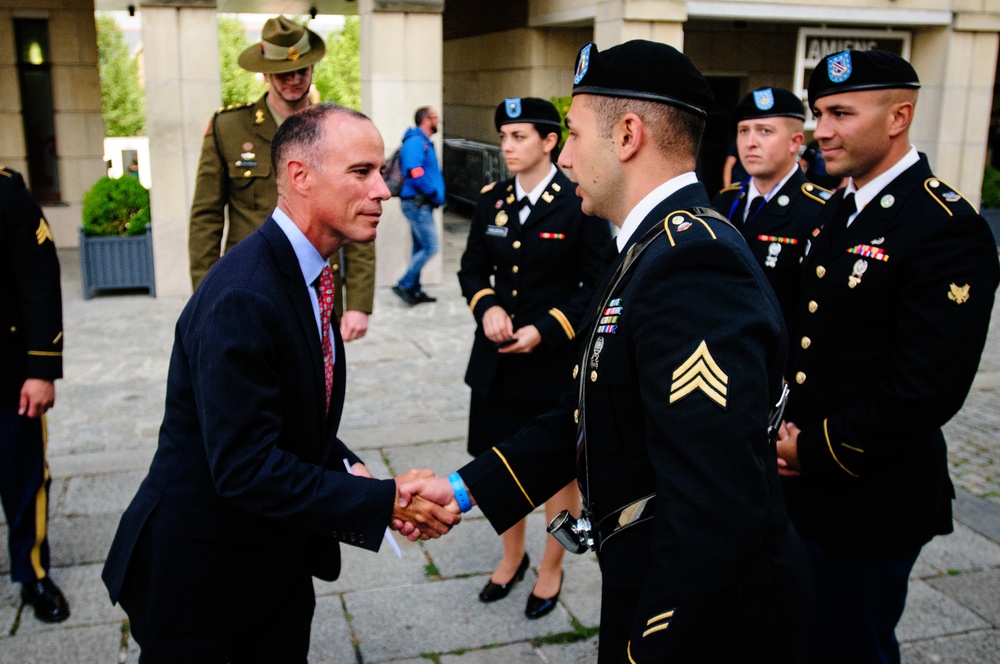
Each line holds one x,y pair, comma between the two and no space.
259,116
816,192
958,294
946,196
700,372
43,232
488,187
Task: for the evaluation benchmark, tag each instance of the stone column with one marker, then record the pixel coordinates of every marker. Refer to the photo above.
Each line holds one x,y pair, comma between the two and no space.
181,55
618,21
957,69
401,43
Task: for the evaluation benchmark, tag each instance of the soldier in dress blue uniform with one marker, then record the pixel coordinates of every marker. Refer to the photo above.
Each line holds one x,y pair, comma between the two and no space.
776,207
528,273
31,341
896,297
680,360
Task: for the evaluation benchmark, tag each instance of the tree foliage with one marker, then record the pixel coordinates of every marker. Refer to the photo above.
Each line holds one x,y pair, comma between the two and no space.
338,75
122,103
239,86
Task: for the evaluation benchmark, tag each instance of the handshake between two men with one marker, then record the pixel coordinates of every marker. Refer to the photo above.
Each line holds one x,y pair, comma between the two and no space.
426,506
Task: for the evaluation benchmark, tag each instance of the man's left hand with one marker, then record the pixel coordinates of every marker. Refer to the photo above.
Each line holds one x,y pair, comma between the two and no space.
37,396
353,325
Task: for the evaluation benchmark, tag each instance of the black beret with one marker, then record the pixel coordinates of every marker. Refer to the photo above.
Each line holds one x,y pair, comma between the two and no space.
849,71
644,70
527,109
769,103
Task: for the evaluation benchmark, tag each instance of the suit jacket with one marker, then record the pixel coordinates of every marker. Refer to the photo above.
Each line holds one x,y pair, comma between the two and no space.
31,337
679,368
778,232
542,273
247,490
893,318
235,172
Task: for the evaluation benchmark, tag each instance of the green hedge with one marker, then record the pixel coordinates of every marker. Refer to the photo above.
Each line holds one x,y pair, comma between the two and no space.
116,207
991,187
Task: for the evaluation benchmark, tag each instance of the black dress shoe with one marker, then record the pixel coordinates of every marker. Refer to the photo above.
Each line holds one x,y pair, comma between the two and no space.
404,295
538,607
491,592
422,297
45,596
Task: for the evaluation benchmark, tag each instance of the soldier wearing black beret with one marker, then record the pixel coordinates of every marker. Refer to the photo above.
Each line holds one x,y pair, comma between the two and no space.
528,272
897,292
679,362
31,342
775,208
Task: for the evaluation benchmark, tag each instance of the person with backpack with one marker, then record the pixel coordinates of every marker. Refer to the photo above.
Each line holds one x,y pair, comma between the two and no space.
422,191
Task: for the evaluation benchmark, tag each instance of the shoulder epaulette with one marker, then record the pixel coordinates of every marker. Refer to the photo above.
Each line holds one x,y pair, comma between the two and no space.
946,196
816,192
488,187
231,107
4,172
732,187
680,223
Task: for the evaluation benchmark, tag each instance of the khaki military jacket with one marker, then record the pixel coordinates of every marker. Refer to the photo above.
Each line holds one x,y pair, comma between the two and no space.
235,170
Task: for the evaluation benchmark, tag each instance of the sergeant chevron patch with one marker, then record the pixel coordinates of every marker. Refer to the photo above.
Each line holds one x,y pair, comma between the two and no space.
700,372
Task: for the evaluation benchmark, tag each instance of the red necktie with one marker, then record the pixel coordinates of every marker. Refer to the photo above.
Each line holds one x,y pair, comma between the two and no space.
325,295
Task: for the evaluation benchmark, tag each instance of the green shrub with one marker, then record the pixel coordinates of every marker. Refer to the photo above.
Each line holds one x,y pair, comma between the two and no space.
562,105
991,187
116,207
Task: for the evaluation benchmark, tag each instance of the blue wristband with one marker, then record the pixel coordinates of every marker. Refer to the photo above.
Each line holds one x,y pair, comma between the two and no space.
461,495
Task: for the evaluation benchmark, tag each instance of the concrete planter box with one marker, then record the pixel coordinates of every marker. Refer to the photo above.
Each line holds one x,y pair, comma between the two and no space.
114,263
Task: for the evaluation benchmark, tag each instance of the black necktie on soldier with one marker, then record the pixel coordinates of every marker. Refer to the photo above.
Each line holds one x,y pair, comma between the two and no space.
838,223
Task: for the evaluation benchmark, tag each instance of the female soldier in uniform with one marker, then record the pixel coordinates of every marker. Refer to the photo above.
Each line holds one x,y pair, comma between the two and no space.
528,274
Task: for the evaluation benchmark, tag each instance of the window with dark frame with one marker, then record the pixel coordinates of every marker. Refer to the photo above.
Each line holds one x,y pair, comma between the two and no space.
38,116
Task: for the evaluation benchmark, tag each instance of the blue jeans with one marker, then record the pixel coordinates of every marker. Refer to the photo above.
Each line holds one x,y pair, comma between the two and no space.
425,242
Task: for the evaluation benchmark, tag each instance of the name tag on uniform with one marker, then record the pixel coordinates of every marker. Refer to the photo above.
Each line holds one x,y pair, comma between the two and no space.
496,231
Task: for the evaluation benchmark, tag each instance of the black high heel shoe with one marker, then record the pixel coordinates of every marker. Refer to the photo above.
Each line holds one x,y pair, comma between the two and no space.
491,592
538,607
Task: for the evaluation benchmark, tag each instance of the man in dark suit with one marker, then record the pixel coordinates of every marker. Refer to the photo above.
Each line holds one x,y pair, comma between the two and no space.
31,341
896,297
775,208
680,362
248,494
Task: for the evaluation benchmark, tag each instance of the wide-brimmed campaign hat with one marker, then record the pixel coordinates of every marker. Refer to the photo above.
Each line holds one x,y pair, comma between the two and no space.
284,46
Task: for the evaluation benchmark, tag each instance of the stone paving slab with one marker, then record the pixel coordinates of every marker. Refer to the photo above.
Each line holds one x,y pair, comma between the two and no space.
930,613
440,617
331,640
88,601
99,644
977,591
962,550
975,648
